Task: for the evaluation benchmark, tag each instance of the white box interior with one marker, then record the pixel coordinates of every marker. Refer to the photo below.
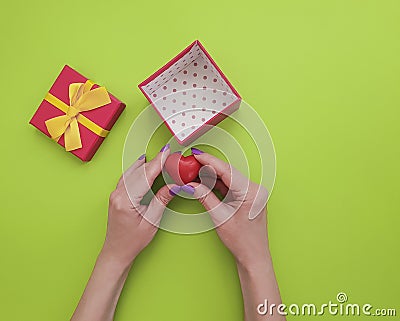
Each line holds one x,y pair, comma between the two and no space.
189,93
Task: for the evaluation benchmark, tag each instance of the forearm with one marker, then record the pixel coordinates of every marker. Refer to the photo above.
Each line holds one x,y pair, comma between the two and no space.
102,292
258,284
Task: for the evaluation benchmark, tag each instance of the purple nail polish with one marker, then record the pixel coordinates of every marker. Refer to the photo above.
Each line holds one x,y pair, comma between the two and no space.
189,189
196,151
164,148
142,157
174,190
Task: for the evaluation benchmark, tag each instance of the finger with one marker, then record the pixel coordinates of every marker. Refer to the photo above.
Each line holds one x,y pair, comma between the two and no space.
231,177
218,210
159,202
221,187
139,162
139,182
208,177
215,185
154,167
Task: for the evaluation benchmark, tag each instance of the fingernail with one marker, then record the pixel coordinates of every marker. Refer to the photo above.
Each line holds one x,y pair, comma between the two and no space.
142,157
177,152
164,148
196,151
188,189
174,190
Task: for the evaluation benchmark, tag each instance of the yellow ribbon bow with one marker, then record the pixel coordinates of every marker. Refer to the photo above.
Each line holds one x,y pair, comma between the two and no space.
81,98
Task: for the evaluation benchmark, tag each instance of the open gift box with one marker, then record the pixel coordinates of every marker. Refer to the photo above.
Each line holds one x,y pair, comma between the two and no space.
191,94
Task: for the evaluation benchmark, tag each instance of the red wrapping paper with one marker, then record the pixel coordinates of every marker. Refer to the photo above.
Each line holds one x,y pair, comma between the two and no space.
104,116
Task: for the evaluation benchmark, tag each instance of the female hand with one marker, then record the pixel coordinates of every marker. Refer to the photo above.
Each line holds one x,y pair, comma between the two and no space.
240,218
128,232
131,225
241,225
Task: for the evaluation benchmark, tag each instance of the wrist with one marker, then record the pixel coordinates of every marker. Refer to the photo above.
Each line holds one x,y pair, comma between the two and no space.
254,265
113,263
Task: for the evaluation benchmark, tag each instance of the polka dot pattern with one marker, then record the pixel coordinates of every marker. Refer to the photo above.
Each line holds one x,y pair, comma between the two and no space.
172,71
190,93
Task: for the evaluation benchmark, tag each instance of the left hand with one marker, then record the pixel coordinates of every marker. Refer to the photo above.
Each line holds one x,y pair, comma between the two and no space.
131,225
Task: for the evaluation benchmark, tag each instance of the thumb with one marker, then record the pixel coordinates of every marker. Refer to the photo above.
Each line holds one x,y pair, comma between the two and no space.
230,176
159,202
219,211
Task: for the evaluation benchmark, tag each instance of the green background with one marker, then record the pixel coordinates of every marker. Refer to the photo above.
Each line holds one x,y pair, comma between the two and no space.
323,75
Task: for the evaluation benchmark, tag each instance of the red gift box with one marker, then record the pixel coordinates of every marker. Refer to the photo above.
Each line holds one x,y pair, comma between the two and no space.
191,94
93,125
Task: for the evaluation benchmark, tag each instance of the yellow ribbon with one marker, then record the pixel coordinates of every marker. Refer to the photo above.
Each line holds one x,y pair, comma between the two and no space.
81,98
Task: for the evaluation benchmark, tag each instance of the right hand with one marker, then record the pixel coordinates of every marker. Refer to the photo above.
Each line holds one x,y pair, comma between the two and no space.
240,219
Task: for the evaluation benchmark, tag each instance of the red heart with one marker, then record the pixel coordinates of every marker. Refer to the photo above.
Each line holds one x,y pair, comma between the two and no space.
182,169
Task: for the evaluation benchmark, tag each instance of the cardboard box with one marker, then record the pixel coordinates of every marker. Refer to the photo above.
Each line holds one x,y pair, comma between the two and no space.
103,117
190,93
